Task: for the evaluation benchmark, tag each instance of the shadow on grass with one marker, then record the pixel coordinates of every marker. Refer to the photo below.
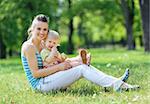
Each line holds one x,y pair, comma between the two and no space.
83,91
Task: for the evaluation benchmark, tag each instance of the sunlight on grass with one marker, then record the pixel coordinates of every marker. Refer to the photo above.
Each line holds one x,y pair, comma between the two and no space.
15,89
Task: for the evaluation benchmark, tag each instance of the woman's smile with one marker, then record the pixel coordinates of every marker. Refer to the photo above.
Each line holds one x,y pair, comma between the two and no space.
42,36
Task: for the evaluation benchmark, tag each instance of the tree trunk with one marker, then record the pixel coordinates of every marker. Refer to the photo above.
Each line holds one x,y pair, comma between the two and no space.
10,52
128,14
2,48
141,40
70,47
144,7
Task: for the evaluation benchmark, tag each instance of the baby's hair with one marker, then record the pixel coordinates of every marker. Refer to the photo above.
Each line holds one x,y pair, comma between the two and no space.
53,34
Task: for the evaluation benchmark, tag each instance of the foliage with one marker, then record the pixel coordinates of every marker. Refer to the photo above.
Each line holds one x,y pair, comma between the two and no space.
102,20
16,17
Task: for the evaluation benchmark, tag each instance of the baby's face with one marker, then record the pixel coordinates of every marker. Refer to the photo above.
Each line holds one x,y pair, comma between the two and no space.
50,43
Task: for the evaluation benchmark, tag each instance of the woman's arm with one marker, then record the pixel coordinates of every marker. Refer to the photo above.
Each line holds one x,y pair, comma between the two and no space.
29,52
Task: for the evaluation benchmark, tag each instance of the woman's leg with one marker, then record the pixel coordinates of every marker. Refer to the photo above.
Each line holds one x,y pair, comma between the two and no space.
65,78
94,75
60,80
105,80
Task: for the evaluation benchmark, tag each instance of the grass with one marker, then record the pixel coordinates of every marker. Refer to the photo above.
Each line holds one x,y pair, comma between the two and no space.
14,88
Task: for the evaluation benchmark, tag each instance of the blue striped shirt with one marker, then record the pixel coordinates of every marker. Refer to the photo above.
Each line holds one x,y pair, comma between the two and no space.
32,81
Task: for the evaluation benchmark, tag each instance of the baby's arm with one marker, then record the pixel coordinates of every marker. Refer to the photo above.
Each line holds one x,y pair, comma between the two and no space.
47,56
50,58
61,57
53,55
77,58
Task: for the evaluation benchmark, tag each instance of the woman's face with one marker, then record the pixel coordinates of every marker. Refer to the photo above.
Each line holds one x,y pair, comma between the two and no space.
40,30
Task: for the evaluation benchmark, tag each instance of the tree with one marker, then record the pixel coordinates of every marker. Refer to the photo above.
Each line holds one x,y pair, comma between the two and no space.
2,48
70,31
128,10
144,7
16,17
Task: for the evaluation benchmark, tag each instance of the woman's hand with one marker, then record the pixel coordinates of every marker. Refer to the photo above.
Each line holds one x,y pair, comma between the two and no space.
42,45
65,65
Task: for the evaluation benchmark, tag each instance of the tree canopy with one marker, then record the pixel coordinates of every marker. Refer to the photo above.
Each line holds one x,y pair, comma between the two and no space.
94,23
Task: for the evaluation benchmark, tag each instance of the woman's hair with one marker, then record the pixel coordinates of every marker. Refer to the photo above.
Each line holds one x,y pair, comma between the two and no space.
40,17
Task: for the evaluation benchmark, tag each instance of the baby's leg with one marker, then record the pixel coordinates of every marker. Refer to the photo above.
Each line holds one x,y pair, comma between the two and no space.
80,59
77,58
75,63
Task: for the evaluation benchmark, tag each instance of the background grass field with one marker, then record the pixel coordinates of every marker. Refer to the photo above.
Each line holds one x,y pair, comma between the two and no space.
14,88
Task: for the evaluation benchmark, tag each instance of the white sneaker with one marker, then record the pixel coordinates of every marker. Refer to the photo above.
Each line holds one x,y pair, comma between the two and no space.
125,76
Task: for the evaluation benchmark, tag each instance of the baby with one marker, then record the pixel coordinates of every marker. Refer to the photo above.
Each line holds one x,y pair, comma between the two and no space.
51,56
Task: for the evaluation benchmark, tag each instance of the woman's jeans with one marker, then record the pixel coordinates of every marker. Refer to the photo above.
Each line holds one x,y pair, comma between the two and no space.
62,79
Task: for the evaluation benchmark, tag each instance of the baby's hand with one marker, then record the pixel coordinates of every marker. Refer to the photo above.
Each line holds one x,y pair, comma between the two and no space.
63,56
54,51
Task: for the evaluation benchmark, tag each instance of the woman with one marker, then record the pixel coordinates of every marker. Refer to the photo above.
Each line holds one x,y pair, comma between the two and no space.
62,75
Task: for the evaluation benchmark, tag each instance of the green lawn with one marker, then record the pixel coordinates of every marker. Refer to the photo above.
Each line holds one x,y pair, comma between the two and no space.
14,88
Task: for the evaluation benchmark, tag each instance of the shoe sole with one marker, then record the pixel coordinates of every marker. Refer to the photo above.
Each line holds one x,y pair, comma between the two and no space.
132,89
128,89
83,55
89,61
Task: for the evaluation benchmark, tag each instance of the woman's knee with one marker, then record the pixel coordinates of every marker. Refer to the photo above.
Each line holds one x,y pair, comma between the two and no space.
78,69
82,68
